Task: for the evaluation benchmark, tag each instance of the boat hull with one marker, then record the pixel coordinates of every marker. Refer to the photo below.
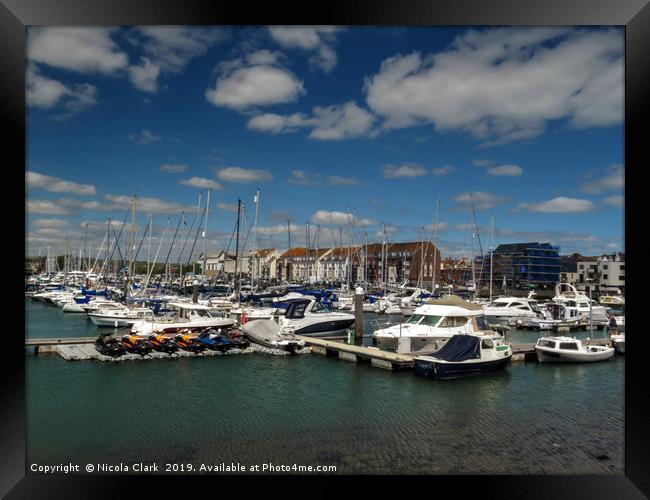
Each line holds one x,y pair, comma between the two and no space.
441,371
553,356
111,322
324,328
620,346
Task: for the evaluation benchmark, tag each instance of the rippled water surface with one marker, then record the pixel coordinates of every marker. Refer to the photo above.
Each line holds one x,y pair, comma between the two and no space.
311,410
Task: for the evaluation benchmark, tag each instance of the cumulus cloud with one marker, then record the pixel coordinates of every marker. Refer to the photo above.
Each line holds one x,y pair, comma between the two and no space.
615,201
144,204
614,179
559,205
507,170
84,50
302,178
335,122
46,93
480,199
409,171
57,185
47,207
505,84
50,223
228,207
238,174
145,137
327,217
259,80
173,168
201,182
444,170
337,180
318,40
168,49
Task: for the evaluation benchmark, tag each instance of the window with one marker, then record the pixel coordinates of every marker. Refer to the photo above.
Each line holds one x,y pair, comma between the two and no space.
430,320
547,343
482,323
621,278
572,346
453,322
604,276
605,266
487,344
622,268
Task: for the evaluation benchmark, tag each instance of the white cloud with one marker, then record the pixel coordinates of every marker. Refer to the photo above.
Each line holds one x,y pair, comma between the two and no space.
444,170
200,182
144,204
480,199
47,207
173,168
238,174
85,50
336,122
169,49
504,84
50,223
56,185
302,178
145,137
258,81
615,179
406,170
317,39
560,205
327,217
227,207
615,201
46,93
145,75
507,170
337,180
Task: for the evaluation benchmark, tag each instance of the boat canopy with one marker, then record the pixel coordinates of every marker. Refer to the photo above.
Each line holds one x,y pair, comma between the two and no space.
454,300
460,348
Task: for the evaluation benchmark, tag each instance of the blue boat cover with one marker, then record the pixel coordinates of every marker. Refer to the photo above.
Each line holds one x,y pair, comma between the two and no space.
459,348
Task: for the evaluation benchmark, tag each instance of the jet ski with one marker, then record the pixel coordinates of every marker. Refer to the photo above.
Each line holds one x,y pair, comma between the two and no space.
161,343
109,346
218,341
189,343
136,345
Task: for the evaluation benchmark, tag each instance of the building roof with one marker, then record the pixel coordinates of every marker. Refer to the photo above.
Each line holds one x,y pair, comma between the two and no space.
303,252
520,247
264,252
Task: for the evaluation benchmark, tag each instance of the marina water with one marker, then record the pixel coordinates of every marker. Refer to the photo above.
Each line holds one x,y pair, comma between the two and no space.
311,410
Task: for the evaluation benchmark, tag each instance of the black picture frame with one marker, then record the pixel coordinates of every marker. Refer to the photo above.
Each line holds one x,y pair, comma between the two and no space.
15,15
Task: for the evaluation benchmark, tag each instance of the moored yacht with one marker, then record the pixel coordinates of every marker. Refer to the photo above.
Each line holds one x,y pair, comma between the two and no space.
433,324
183,317
570,350
307,316
567,295
509,310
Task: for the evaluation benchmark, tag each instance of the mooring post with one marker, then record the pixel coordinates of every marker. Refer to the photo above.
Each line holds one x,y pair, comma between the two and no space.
195,291
358,316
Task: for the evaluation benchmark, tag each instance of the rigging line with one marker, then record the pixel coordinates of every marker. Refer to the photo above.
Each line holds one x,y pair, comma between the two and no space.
196,237
140,246
173,240
162,238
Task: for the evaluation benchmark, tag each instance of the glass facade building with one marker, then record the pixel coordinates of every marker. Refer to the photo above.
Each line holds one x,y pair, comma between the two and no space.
521,266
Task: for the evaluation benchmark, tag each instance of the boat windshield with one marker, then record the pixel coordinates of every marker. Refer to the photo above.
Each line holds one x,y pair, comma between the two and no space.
424,319
497,304
482,323
534,306
319,307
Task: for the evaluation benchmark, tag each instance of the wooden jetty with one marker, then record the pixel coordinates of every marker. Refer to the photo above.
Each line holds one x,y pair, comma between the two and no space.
50,345
358,354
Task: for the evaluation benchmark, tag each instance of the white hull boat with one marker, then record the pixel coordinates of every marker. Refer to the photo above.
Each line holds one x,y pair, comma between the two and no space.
570,350
269,334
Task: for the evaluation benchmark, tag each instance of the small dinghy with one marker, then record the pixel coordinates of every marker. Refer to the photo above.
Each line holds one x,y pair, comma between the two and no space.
464,355
269,334
570,350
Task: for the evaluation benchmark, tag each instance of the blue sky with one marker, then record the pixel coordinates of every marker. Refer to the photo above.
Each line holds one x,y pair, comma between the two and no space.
332,124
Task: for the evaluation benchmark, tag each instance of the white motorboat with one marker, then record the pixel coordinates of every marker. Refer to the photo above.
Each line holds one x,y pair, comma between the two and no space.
556,316
567,295
190,317
619,343
570,350
307,316
464,355
269,334
118,318
433,324
509,310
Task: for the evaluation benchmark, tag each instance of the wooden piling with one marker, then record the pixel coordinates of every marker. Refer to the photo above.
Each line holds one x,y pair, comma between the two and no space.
358,318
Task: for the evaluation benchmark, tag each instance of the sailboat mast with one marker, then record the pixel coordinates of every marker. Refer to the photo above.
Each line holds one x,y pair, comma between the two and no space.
256,258
435,248
290,264
237,252
205,236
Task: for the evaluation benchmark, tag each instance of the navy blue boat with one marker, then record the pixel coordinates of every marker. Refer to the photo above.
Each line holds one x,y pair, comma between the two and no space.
462,356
